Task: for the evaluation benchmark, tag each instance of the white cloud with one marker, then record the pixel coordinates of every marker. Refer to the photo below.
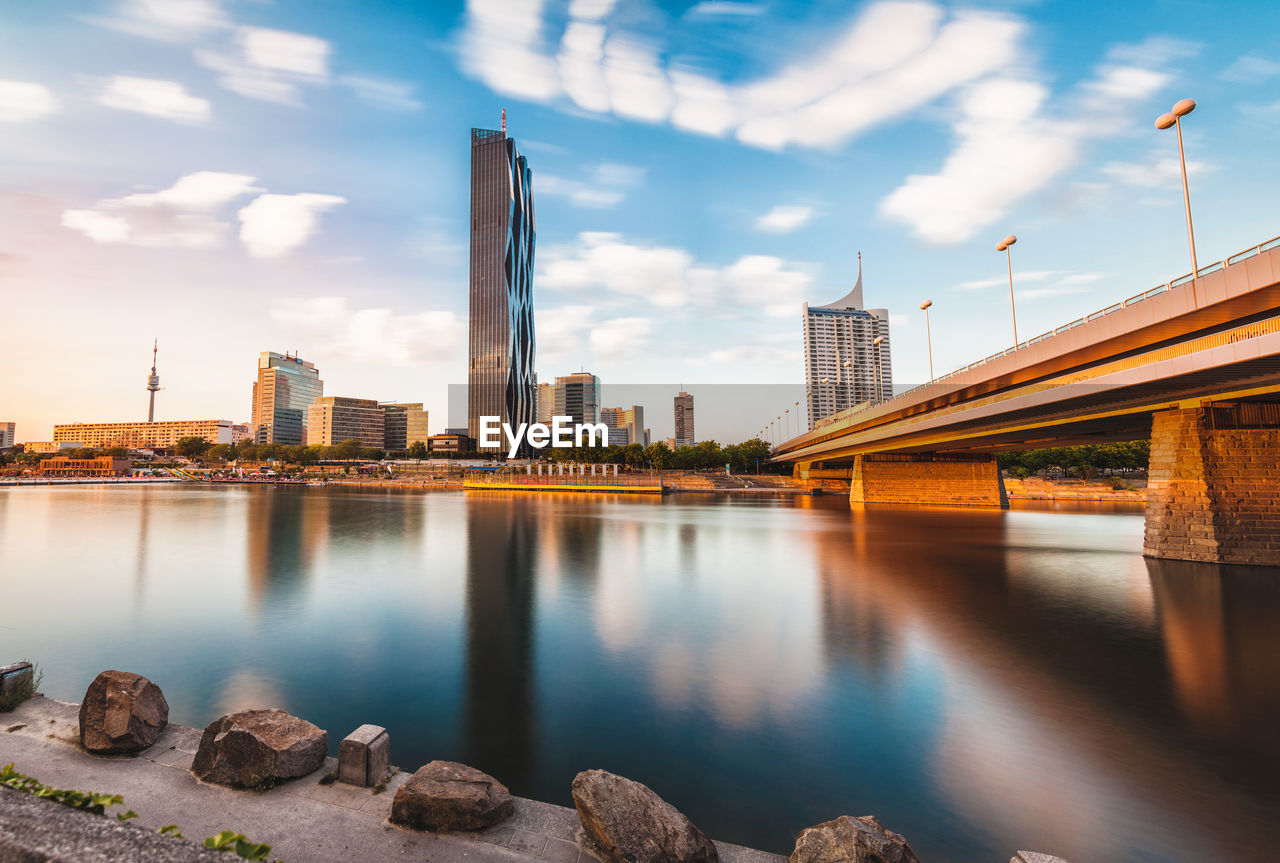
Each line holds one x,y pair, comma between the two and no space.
620,337
99,227
269,65
725,7
382,93
1003,281
667,277
202,190
169,20
168,100
1155,173
1008,146
1250,70
894,57
274,225
754,355
371,335
605,186
784,218
21,101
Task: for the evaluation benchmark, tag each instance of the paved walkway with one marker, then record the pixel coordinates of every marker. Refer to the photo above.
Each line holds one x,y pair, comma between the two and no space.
302,820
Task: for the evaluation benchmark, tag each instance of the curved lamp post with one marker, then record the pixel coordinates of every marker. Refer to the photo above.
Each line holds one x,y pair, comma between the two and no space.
879,383
1174,120
1003,246
928,334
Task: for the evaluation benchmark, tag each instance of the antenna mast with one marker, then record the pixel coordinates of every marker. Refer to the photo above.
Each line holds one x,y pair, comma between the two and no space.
153,382
504,121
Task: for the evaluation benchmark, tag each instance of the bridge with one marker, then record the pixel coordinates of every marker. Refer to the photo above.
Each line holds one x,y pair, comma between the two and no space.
1193,364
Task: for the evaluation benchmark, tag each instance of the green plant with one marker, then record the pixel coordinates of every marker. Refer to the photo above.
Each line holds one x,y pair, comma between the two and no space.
87,801
229,840
11,699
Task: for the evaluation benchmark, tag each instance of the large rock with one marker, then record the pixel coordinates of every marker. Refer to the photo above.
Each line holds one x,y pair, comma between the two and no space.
259,748
444,795
625,822
852,840
121,712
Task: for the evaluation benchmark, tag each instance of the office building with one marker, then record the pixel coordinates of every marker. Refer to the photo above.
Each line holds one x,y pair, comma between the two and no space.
843,365
684,420
500,376
578,397
49,446
8,434
145,435
628,421
404,424
282,395
449,444
546,403
334,419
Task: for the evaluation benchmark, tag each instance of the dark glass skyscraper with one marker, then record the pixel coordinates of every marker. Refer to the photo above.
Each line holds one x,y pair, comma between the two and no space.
500,379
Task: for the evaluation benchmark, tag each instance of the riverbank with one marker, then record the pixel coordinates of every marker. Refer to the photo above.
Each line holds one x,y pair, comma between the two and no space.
304,820
89,480
1035,488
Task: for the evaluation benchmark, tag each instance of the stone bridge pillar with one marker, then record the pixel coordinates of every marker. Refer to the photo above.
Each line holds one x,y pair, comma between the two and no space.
935,480
1214,484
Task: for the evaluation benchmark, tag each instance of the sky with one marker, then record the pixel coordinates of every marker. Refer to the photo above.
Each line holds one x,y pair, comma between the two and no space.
234,176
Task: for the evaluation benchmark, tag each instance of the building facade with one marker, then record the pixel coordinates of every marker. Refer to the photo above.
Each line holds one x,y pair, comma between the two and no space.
100,466
404,424
546,403
500,374
628,421
843,365
578,397
450,444
334,419
48,445
282,395
684,421
8,434
143,435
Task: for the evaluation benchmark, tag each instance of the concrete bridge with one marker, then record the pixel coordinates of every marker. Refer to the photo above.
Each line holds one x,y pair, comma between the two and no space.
1193,364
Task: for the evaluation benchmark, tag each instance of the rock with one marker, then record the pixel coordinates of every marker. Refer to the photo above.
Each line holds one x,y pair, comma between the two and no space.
444,795
259,748
625,822
852,840
121,712
1035,857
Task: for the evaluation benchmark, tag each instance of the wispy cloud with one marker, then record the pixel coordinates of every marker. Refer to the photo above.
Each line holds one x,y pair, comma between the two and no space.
784,218
605,185
272,226
382,92
23,101
167,100
1157,172
711,8
1250,70
167,20
270,65
375,335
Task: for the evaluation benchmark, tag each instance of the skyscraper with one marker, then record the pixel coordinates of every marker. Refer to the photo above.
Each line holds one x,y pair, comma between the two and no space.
546,403
334,419
578,396
500,377
285,388
684,420
843,365
629,422
404,424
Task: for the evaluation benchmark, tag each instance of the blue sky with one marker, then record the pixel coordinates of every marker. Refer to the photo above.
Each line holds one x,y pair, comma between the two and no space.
235,176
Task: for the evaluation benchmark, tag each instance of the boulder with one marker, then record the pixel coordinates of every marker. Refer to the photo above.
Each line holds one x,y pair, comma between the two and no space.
259,748
625,822
852,840
121,713
445,795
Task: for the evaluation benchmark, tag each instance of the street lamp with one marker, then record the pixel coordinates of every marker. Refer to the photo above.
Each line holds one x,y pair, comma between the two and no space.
1174,119
879,383
788,413
928,334
1003,246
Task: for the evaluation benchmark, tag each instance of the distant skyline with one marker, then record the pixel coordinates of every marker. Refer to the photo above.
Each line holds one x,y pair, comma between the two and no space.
237,177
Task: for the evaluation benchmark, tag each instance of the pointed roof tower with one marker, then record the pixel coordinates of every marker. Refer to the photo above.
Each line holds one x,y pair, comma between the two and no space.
851,300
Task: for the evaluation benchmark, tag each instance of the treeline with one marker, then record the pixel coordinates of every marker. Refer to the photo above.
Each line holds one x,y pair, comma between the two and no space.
348,450
1082,461
707,455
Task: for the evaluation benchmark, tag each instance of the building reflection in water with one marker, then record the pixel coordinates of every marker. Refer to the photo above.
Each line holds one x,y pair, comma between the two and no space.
288,531
499,717
1062,697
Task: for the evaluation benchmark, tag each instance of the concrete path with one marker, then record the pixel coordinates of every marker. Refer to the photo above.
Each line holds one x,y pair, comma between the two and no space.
302,820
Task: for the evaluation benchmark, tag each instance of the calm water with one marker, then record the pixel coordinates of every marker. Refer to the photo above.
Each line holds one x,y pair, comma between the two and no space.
982,681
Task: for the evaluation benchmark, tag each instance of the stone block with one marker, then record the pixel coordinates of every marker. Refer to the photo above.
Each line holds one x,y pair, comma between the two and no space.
1035,857
364,756
15,677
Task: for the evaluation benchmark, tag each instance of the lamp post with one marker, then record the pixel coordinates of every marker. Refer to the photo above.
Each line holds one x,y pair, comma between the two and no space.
1174,119
928,334
788,413
879,384
1003,246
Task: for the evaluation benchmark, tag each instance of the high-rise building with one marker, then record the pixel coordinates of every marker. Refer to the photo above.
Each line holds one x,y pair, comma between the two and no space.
578,397
153,383
404,424
282,394
684,420
148,435
500,376
8,433
334,419
628,421
546,403
843,365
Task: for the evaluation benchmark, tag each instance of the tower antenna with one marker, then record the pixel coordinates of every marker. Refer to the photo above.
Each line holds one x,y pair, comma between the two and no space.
153,382
504,121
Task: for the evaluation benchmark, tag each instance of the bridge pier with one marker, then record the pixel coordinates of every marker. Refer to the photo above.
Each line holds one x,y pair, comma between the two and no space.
1214,488
934,480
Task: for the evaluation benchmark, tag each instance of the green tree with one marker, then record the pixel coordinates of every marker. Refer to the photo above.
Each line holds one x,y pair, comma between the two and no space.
348,449
192,446
417,450
222,452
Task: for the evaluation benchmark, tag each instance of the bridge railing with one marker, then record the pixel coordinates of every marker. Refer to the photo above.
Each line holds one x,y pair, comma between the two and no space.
1237,258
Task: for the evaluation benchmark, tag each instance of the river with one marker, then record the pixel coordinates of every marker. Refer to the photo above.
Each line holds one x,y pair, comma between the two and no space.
981,681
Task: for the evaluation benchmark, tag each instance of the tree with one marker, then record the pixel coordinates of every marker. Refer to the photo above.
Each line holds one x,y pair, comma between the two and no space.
348,449
222,452
418,450
192,446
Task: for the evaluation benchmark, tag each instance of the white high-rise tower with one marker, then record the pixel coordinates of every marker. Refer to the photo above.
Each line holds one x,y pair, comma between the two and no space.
153,383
